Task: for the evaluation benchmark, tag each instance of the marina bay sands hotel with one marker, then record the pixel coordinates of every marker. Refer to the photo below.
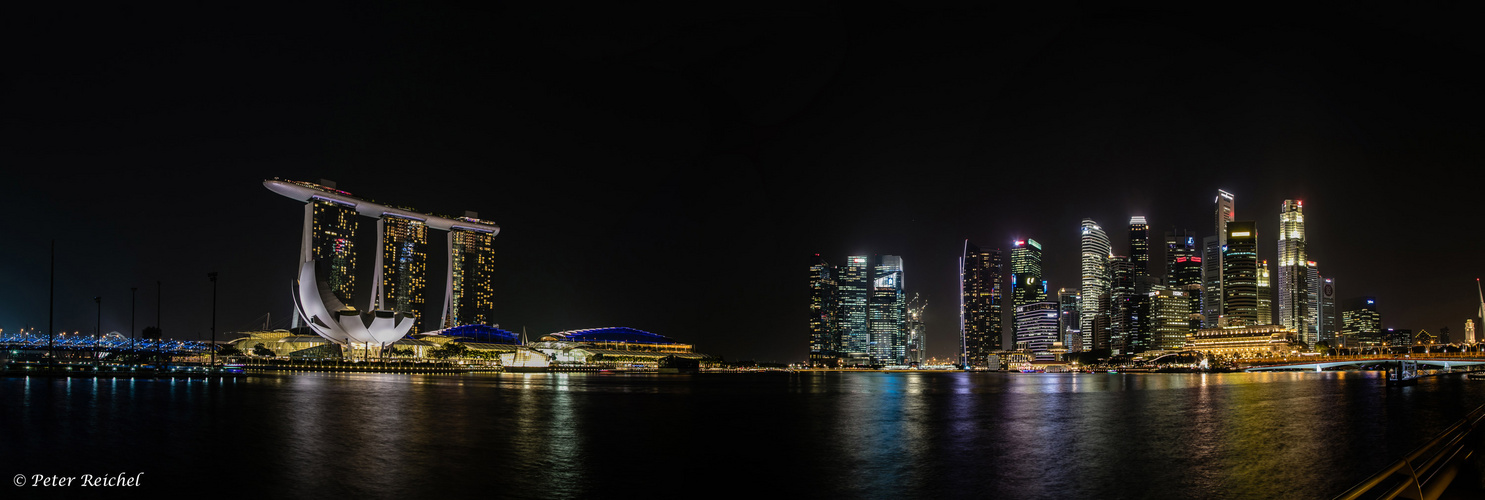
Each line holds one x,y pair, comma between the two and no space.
331,219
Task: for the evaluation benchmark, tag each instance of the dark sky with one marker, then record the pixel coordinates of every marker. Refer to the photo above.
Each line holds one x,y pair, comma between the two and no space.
673,169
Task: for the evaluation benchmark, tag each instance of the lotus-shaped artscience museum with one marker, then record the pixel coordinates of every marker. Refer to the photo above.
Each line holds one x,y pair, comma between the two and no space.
342,324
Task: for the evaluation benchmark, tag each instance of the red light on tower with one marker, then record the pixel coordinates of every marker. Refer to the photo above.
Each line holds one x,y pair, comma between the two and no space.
1020,242
1196,259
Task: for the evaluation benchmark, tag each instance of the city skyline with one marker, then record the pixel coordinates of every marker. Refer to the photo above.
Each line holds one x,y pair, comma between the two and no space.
626,159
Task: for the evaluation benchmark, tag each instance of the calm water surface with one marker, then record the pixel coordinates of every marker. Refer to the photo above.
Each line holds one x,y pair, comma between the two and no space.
952,435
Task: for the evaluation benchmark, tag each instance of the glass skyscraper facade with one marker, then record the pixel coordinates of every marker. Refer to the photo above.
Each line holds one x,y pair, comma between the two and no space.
980,274
1170,313
1212,249
1139,245
1036,328
888,312
1026,275
1293,272
1183,271
824,329
853,282
1361,325
1069,325
1240,273
1265,290
1096,250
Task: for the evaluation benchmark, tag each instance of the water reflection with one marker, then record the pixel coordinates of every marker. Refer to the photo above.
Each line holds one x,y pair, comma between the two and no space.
822,434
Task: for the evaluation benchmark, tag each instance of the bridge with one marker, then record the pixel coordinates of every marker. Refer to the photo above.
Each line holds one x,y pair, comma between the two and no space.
111,342
1400,368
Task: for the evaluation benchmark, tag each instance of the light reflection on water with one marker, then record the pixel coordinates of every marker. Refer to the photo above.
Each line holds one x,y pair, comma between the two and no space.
832,434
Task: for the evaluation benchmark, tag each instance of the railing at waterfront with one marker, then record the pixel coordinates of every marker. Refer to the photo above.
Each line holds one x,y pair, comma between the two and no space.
1426,472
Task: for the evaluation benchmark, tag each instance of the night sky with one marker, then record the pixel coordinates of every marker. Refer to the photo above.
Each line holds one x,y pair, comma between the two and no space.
673,169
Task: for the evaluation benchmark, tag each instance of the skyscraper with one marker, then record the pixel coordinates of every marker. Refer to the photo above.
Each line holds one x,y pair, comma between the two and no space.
853,287
1026,274
1469,331
1293,276
917,336
1265,290
1361,325
1095,280
1312,303
979,304
1036,327
888,311
471,289
1122,314
333,225
824,329
1069,301
1139,245
1183,271
1327,311
1240,273
1212,249
1170,312
403,262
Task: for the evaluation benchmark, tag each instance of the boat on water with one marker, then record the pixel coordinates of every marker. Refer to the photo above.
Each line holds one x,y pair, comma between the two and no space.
1113,371
1475,375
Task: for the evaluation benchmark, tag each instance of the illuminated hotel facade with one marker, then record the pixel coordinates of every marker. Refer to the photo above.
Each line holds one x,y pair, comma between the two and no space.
399,281
1243,341
404,264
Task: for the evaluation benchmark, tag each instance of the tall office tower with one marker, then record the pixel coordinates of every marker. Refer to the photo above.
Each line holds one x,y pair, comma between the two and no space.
917,345
888,313
1183,271
1240,273
403,263
1139,245
824,331
1068,322
1122,315
1211,281
1312,300
1469,331
1170,313
333,225
1265,291
1361,325
853,292
1328,327
1095,291
1293,288
471,287
1212,249
979,304
1027,285
1036,326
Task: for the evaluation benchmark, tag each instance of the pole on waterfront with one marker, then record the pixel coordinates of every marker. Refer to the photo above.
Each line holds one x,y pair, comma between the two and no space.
97,330
51,306
160,328
132,289
213,277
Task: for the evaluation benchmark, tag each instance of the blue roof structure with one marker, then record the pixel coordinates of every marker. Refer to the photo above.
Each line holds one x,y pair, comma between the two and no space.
613,334
480,333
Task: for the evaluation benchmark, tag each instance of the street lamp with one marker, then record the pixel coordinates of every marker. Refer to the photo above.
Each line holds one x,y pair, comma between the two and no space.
213,277
131,319
97,330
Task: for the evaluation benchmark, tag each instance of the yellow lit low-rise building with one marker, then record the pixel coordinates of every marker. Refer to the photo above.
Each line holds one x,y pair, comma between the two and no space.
1238,342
